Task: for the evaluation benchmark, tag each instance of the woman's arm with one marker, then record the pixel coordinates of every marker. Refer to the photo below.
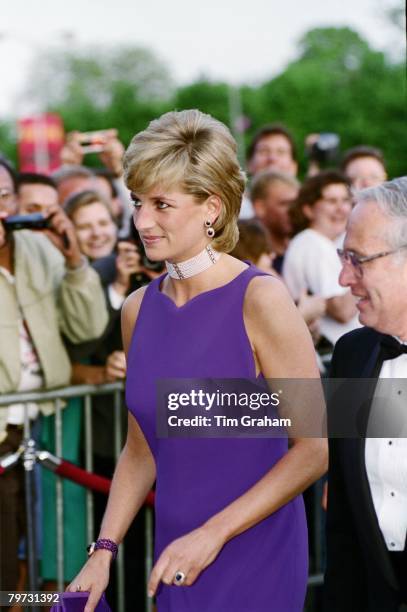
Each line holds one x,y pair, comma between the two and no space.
132,480
282,348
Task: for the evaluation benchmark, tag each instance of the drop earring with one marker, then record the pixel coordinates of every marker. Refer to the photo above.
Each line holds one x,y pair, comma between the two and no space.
210,232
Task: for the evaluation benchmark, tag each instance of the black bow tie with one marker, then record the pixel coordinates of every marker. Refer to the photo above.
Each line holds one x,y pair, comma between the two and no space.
392,348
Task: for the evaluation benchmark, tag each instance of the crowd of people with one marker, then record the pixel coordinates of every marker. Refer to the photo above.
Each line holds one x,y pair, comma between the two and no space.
62,289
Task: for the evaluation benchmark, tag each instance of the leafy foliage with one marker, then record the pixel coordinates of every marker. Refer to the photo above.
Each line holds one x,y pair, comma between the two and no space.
337,83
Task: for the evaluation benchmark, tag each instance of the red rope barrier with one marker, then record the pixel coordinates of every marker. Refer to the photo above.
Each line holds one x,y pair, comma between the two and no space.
68,470
82,477
90,480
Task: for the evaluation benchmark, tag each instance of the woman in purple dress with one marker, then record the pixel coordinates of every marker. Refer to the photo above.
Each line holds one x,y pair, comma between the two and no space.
230,524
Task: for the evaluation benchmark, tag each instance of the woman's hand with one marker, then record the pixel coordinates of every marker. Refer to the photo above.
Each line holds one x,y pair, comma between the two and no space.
93,578
190,555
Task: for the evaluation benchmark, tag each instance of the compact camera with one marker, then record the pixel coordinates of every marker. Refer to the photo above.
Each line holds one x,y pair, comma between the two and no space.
325,149
35,221
93,142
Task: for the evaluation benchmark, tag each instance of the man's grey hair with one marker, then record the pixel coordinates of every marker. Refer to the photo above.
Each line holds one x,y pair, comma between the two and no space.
70,171
391,197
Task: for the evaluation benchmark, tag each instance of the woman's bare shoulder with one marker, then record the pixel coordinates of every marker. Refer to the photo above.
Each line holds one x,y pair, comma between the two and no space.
262,289
278,334
270,309
133,301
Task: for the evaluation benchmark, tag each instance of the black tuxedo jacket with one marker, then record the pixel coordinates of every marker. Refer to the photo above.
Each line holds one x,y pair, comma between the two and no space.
359,575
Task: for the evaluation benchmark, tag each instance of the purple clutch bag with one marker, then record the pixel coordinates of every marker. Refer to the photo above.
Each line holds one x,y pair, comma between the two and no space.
75,602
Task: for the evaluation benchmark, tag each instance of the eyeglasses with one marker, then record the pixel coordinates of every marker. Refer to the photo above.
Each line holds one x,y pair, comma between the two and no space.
356,261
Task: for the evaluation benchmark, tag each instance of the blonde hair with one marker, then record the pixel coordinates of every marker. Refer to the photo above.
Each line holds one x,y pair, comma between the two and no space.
195,153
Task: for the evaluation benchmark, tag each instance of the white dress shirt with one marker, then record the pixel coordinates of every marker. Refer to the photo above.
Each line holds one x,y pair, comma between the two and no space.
311,262
386,458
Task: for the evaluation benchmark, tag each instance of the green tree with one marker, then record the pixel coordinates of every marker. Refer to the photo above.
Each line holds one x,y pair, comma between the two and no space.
209,97
337,84
8,141
96,88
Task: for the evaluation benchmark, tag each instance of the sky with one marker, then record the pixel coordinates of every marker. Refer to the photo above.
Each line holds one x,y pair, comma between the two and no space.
239,41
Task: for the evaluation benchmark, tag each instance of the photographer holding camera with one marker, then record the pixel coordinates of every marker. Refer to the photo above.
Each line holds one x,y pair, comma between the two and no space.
46,289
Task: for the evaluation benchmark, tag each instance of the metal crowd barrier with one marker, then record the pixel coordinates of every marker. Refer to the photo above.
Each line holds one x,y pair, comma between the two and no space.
30,455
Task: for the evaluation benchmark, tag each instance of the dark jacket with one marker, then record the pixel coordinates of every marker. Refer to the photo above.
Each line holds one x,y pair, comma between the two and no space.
359,575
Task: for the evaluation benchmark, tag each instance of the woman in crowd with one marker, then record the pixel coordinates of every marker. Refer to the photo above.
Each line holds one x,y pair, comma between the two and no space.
94,223
230,522
311,263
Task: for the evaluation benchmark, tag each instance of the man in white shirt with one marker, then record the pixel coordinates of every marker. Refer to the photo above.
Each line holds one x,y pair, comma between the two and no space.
367,499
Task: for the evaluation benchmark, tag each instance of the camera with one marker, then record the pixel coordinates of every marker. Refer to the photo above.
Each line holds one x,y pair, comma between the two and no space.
325,149
35,221
93,142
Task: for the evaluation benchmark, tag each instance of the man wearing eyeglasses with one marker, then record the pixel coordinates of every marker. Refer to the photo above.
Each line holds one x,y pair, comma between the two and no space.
367,499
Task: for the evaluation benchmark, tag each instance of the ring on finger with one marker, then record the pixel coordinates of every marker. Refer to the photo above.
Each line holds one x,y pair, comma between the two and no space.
179,578
78,588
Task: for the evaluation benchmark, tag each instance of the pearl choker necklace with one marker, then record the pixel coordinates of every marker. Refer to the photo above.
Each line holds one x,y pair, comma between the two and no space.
185,269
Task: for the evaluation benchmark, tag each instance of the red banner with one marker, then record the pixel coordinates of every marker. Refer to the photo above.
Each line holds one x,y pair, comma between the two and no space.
40,140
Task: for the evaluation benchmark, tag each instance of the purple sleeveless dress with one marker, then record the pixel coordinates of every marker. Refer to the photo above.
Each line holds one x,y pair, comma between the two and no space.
265,568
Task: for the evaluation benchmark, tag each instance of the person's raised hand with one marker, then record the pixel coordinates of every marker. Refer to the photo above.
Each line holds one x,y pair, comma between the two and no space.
71,152
112,154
